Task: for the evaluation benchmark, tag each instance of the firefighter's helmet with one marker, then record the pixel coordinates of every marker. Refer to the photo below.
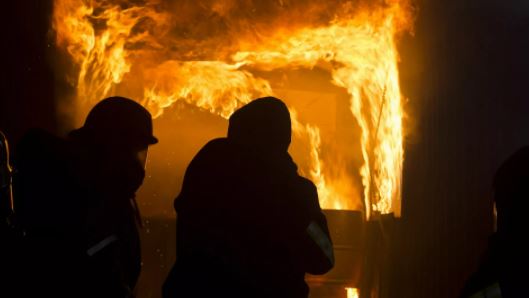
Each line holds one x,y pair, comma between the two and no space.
119,120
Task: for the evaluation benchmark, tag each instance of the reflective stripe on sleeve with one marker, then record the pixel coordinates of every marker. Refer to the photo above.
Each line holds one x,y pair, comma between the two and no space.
492,291
320,238
101,244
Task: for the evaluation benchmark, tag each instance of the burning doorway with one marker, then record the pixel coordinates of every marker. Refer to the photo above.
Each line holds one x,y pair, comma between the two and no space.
192,63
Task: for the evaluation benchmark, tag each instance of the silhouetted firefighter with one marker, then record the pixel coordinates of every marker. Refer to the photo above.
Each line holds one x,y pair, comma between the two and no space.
504,270
6,195
9,238
247,224
74,198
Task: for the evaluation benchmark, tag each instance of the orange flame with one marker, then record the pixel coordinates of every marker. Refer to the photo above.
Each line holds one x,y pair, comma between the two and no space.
357,46
352,293
102,57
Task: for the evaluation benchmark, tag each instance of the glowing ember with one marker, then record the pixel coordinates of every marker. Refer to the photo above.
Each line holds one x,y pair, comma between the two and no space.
131,49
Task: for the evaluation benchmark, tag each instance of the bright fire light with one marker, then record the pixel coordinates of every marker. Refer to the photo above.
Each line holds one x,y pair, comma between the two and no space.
352,293
133,48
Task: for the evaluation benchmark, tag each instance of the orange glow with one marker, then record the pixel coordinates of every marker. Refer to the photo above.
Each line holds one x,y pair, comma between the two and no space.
352,293
130,49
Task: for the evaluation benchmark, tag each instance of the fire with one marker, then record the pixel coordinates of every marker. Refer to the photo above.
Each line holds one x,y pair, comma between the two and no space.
102,58
352,293
211,85
131,49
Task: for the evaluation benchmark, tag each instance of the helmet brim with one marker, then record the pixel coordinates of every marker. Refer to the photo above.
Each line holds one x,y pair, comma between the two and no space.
152,140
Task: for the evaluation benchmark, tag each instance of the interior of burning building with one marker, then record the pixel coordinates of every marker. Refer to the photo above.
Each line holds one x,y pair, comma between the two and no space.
440,83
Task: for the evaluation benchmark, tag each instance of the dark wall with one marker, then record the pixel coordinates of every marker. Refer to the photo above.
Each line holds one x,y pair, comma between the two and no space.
26,78
467,83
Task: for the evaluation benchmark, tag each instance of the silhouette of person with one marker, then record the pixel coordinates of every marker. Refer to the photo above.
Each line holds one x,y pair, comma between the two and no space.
502,273
75,200
247,224
5,184
8,234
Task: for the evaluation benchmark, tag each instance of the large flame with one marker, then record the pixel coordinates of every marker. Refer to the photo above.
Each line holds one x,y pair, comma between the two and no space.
357,45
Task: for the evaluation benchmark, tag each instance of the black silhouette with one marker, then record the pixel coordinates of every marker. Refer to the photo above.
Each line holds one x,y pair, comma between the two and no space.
502,273
8,234
74,198
6,199
247,224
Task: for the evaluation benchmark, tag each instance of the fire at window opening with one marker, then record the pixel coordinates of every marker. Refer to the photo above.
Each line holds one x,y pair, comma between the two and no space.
165,52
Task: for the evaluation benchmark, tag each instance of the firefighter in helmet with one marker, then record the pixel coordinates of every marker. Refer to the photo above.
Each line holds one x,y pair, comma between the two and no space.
75,198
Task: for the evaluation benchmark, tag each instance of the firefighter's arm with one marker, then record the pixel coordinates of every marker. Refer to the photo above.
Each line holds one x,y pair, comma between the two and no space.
106,268
322,240
319,249
316,248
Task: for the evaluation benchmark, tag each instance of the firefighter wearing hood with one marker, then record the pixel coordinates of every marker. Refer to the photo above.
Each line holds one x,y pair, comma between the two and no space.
247,224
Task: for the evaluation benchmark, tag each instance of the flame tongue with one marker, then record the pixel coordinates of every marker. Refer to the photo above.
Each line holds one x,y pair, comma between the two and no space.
364,58
357,46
